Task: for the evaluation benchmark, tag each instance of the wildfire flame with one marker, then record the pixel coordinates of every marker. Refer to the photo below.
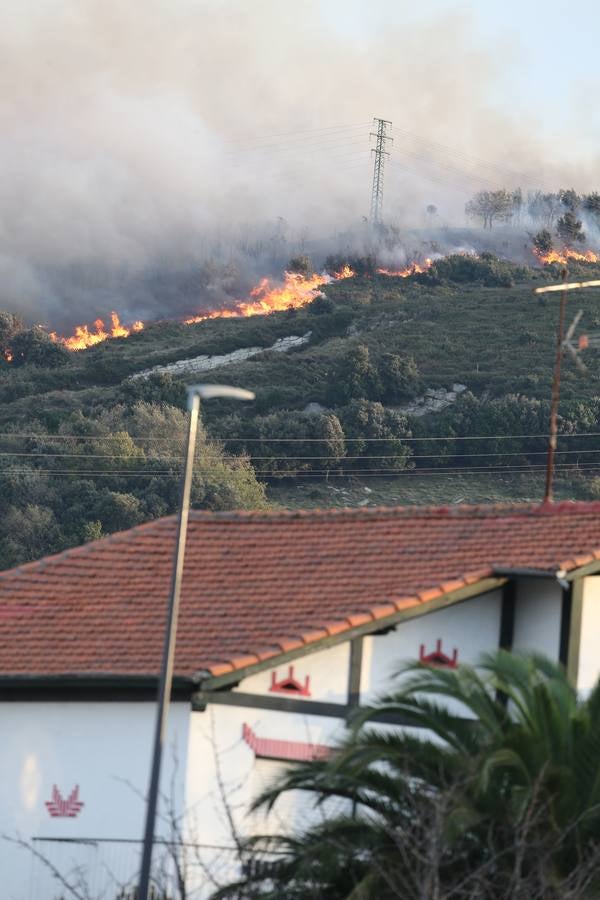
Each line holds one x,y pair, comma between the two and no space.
83,335
297,290
345,272
413,269
563,256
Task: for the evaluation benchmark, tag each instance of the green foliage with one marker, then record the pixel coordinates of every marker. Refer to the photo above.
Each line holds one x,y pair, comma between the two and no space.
399,377
356,376
29,531
591,204
35,347
543,241
10,325
92,531
392,378
301,265
117,511
513,414
373,341
570,199
498,797
569,228
321,305
160,387
115,470
374,435
464,268
360,265
287,443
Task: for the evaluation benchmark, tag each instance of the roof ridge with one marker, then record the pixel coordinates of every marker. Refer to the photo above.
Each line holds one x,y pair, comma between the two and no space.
83,549
457,509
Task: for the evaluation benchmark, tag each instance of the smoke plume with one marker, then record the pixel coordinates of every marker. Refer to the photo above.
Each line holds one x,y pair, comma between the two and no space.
142,139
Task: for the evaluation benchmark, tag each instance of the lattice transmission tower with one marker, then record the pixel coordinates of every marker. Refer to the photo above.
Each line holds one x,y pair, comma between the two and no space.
379,154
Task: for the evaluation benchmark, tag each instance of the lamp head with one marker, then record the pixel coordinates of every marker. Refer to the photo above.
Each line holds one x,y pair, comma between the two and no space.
208,391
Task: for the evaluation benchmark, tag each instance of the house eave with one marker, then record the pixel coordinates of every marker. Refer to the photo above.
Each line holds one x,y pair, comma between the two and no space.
206,682
84,686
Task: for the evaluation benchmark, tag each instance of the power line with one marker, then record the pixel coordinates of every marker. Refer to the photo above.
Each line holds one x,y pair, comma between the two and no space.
445,149
336,141
207,456
325,473
301,132
230,439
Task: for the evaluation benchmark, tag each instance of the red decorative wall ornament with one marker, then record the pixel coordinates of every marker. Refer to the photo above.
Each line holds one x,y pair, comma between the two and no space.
273,748
61,808
289,685
438,658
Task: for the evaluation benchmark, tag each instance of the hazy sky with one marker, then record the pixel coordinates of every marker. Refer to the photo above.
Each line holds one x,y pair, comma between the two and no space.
548,59
132,132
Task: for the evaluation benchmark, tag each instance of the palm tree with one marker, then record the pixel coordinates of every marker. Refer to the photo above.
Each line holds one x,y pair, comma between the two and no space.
497,795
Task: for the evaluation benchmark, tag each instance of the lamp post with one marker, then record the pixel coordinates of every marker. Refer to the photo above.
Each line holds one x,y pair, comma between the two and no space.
195,393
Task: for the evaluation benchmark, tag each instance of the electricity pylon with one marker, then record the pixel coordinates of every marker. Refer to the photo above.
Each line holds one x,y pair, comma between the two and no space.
379,154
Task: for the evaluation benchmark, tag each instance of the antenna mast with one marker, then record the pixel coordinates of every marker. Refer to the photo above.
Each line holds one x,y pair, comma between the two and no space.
379,152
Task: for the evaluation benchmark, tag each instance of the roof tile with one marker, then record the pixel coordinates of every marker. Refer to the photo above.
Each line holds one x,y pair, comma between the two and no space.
256,584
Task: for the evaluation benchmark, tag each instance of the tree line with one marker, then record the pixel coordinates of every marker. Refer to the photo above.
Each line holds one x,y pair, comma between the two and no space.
559,210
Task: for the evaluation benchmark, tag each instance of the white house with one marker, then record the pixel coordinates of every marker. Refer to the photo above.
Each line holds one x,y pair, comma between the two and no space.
289,622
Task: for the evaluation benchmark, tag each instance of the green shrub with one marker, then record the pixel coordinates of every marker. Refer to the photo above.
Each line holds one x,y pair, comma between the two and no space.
355,377
285,443
301,265
34,346
374,437
464,268
398,376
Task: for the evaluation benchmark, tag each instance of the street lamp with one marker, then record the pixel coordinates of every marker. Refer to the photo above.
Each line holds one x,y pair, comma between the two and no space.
195,392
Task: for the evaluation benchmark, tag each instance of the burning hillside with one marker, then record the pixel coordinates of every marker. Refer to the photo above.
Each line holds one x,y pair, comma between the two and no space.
412,269
562,257
86,336
295,291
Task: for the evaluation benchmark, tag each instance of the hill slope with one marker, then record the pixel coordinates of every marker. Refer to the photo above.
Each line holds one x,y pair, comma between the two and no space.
87,448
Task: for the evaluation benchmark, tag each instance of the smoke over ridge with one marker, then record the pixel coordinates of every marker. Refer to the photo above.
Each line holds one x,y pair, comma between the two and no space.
140,140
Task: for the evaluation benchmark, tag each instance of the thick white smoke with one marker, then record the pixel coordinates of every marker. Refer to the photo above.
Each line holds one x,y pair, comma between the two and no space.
140,138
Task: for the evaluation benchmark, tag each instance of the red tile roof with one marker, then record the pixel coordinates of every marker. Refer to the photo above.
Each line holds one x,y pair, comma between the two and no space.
258,584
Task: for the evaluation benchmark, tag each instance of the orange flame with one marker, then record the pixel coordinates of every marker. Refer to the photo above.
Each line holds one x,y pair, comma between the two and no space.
345,272
297,290
413,269
83,336
563,256
8,355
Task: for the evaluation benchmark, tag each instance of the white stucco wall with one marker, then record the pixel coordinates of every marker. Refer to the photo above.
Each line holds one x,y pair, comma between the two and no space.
589,655
215,740
470,628
537,616
327,671
102,747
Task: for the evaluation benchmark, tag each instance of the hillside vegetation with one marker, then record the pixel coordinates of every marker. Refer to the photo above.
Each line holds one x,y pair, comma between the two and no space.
87,450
